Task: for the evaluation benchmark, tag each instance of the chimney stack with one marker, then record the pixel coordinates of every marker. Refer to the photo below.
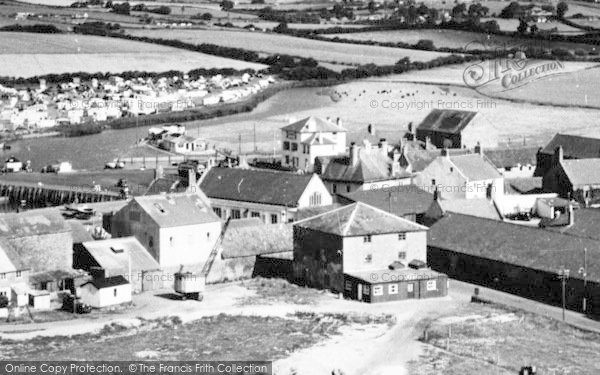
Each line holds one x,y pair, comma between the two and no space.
558,155
445,153
383,145
371,129
427,143
339,122
353,154
479,149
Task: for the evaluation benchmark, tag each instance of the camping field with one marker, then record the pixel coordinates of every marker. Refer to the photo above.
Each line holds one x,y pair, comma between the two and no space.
26,55
275,43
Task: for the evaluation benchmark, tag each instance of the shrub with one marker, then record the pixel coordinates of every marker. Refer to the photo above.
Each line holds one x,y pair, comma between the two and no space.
3,301
425,44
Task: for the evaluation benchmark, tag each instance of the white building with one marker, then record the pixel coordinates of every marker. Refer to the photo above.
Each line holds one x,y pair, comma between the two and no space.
105,292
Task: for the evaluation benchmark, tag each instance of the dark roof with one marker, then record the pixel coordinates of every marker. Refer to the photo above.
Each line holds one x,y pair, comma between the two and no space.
511,157
172,210
399,200
475,167
253,240
371,166
525,185
32,223
107,282
359,219
255,185
446,121
520,245
574,146
585,224
313,124
582,171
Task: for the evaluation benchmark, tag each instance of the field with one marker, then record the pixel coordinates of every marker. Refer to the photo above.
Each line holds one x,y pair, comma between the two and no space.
73,53
453,39
275,43
489,340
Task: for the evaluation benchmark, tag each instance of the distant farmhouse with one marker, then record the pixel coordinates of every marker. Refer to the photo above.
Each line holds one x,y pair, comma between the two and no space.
573,147
272,196
309,138
448,129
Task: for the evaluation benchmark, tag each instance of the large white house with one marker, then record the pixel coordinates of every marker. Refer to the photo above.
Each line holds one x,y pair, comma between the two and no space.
309,138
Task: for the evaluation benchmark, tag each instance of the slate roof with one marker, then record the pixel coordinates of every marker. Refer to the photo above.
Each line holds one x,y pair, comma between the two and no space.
574,146
32,224
582,171
252,240
520,245
173,210
446,121
313,124
372,166
108,282
359,219
417,157
255,185
475,167
103,253
511,157
399,200
585,224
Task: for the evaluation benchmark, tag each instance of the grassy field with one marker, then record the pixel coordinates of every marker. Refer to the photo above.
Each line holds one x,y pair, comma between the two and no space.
275,43
25,55
221,337
483,339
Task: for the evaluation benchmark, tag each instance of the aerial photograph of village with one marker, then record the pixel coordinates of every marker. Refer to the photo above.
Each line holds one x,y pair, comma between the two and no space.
300,187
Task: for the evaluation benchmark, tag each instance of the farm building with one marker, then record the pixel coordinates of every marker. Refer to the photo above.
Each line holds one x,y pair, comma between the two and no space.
407,201
176,229
309,138
465,176
123,256
364,168
573,146
513,162
350,239
517,259
448,129
577,179
272,196
110,291
392,285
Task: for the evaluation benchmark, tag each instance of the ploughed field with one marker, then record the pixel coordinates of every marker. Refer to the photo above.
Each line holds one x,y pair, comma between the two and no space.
27,54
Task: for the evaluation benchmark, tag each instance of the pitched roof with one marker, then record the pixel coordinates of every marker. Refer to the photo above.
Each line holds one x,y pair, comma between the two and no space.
585,224
371,166
417,157
475,207
359,219
253,240
399,200
115,253
31,223
172,210
475,167
574,146
255,185
446,120
108,282
515,244
511,157
582,171
6,264
320,140
79,232
313,124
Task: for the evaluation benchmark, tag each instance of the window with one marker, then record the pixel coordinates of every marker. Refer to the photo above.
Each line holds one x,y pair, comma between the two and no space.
287,159
115,292
273,219
236,214
315,199
369,258
393,289
171,241
451,169
294,147
401,236
3,293
402,255
286,145
367,290
18,274
334,189
348,285
367,238
347,188
255,214
431,285
433,181
208,236
217,211
151,242
44,285
2,276
291,135
378,290
410,287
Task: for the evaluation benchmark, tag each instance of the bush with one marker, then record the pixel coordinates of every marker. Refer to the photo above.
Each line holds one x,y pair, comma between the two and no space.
561,52
580,52
425,44
3,301
122,8
202,16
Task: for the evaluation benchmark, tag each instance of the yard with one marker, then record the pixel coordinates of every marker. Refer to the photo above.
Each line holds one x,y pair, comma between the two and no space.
26,55
486,339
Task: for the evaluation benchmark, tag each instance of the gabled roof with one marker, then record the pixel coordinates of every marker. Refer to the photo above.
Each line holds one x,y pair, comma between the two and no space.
475,167
399,200
255,185
32,223
108,282
446,121
115,253
511,157
417,157
359,219
320,140
313,124
515,244
173,210
372,166
574,146
582,171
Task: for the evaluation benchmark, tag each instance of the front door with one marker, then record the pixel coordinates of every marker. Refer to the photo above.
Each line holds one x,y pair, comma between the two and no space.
359,292
410,290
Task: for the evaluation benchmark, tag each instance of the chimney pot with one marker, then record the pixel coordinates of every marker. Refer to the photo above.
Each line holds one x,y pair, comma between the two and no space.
478,149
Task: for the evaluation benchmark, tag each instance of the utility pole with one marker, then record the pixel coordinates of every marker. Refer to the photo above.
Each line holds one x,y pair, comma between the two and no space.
240,144
583,272
563,275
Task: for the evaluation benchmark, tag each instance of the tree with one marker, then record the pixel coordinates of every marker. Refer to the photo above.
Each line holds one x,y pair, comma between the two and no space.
281,28
227,5
122,8
372,7
512,10
561,9
459,10
522,28
533,29
425,44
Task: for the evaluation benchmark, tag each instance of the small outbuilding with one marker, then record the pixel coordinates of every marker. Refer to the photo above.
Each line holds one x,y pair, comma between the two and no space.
105,292
39,299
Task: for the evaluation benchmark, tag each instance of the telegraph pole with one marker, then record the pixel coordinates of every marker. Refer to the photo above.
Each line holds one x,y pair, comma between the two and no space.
584,302
563,275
